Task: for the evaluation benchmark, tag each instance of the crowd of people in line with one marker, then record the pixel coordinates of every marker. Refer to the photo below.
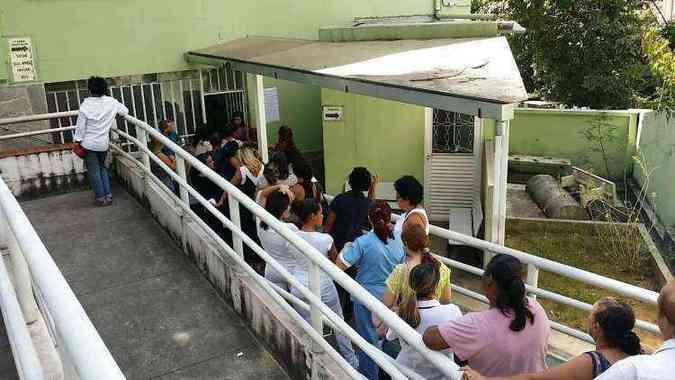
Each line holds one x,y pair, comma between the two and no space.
390,260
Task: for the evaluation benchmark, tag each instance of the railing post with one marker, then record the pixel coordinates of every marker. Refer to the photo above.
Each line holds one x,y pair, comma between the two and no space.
236,220
315,287
181,171
533,277
142,137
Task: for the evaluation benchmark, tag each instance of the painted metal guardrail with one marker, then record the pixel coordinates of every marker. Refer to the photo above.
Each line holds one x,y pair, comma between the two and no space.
311,299
84,348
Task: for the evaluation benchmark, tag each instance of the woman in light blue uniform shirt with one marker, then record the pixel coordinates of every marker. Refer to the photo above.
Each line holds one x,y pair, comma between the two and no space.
375,255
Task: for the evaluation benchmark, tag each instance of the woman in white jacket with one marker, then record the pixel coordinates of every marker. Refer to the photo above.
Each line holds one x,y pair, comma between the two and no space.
96,117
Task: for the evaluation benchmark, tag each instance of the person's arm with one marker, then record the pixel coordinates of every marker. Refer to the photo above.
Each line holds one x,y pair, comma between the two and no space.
373,187
330,221
446,298
237,178
122,110
298,191
264,193
332,253
167,160
433,340
80,128
579,368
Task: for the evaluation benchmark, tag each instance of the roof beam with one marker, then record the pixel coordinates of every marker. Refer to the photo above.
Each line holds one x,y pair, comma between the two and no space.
421,97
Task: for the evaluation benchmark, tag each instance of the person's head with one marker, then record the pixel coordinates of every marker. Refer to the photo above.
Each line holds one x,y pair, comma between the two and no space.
216,140
379,215
359,179
504,287
416,243
309,212
248,155
237,118
97,86
279,160
409,192
423,280
231,149
207,159
277,204
666,318
271,173
303,172
155,144
285,138
228,132
611,323
167,127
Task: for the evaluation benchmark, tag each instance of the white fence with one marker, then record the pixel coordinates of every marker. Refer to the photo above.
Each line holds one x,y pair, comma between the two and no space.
36,275
320,313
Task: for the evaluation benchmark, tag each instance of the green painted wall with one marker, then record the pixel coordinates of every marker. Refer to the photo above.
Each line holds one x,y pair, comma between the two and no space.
74,39
657,152
299,108
384,136
558,133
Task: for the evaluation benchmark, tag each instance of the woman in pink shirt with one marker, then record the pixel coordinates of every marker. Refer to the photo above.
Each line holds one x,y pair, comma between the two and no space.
507,339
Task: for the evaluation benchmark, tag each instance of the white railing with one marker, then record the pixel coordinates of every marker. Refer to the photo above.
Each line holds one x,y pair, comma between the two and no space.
34,269
310,294
311,300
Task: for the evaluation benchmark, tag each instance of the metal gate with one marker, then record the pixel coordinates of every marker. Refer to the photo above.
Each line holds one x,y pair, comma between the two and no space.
180,99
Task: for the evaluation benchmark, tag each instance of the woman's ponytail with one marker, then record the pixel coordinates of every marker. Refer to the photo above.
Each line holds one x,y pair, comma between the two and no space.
379,214
423,280
506,272
616,320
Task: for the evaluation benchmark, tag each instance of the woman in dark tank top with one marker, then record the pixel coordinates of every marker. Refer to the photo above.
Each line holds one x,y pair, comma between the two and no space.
611,325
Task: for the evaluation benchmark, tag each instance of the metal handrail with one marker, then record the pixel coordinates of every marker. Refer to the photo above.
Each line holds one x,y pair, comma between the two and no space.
81,341
319,261
25,356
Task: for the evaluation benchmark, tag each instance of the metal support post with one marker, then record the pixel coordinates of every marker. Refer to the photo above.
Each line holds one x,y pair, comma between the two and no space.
261,118
315,287
234,217
143,138
532,277
181,171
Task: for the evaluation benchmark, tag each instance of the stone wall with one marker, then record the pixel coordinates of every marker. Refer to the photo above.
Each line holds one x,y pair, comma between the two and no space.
20,101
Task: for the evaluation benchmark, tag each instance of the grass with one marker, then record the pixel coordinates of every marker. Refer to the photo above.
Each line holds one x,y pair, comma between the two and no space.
579,246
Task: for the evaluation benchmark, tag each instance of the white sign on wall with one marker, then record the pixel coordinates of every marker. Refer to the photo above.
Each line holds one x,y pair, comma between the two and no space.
21,59
332,113
272,104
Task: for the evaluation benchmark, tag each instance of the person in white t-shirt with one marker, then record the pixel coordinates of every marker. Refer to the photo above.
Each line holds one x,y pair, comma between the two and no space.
420,311
310,214
661,364
95,118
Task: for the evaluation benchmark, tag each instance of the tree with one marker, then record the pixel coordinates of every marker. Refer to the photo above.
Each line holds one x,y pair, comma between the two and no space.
581,52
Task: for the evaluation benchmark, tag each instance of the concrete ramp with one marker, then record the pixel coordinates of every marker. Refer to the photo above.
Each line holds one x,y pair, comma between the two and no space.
158,315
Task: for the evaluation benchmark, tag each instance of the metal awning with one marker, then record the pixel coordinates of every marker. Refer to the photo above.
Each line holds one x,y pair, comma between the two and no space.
476,76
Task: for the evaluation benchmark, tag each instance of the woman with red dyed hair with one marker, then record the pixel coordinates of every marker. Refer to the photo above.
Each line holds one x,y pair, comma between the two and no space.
375,255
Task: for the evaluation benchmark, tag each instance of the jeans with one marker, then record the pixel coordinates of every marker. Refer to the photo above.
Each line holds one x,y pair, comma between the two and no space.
364,326
98,174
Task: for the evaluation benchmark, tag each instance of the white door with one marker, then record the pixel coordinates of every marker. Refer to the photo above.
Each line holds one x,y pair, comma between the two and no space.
452,170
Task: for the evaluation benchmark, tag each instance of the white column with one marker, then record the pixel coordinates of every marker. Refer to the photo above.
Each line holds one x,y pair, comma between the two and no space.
261,119
497,228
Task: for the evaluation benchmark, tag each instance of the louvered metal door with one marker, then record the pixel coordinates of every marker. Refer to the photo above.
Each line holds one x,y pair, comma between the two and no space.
452,163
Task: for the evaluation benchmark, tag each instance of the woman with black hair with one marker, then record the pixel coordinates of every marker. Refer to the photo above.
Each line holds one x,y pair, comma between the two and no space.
410,195
507,339
374,255
422,310
311,217
610,323
94,119
277,202
286,145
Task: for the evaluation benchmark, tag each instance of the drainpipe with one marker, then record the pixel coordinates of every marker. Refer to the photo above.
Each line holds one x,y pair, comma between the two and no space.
437,9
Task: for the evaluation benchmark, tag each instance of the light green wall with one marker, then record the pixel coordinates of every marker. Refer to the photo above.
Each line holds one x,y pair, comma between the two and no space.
657,152
558,133
76,38
299,108
384,136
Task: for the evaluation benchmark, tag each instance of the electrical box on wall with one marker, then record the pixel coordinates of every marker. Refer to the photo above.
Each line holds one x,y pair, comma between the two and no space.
332,113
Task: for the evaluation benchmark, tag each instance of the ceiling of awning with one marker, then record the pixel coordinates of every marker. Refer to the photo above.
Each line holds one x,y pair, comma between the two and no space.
478,70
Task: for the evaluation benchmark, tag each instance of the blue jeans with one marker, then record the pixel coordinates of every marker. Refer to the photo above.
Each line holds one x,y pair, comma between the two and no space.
98,174
364,326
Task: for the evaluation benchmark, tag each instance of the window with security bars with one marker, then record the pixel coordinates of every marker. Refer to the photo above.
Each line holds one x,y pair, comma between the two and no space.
452,132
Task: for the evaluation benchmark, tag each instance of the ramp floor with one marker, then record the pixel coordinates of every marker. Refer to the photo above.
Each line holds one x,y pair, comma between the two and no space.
158,315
